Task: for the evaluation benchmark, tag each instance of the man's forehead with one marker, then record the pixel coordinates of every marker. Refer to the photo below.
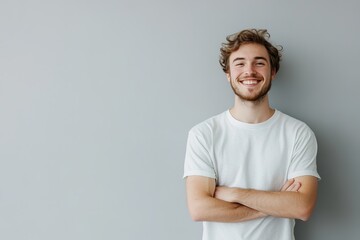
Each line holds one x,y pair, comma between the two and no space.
250,51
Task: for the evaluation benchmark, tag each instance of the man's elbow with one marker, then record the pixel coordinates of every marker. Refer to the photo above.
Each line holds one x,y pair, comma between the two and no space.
306,212
196,218
196,214
304,217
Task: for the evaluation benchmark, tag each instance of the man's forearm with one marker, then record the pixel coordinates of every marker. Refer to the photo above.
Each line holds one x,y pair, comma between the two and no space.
203,206
215,210
290,202
277,204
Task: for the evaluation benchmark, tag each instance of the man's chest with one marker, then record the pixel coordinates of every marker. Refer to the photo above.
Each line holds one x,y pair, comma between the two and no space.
258,162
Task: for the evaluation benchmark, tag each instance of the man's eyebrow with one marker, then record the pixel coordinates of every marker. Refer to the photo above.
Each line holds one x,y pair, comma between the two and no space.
261,58
256,58
238,59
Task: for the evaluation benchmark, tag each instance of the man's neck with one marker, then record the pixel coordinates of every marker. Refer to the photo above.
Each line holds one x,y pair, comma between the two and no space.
252,112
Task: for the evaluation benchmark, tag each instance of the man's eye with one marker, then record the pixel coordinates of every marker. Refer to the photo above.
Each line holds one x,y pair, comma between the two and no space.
260,64
239,64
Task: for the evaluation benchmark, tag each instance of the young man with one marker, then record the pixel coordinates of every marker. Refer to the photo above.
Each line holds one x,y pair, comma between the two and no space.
250,171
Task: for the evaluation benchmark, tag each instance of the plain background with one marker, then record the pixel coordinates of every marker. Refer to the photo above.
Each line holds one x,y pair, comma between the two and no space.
97,97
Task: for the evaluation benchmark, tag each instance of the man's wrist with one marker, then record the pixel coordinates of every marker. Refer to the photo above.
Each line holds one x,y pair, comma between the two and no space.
239,194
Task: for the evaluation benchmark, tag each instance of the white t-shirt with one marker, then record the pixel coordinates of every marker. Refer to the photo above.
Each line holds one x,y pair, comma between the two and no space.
258,156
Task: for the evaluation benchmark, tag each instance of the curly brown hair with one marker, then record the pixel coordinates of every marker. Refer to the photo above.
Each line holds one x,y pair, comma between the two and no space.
259,36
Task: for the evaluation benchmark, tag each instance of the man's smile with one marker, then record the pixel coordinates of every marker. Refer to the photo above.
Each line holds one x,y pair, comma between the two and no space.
249,81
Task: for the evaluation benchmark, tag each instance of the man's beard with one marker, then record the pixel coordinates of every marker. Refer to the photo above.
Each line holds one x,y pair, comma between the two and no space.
251,98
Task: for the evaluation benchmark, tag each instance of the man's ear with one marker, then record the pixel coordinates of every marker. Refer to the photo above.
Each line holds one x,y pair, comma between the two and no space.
228,77
273,74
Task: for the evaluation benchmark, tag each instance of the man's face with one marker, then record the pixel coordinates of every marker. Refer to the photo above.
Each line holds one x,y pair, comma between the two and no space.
250,72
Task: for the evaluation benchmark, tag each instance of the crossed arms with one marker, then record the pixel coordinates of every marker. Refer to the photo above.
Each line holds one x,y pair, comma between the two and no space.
206,202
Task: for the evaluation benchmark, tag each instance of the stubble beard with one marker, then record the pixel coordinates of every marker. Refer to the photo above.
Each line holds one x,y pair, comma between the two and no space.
257,98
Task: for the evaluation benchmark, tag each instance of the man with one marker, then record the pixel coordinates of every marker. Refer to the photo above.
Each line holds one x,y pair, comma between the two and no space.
250,171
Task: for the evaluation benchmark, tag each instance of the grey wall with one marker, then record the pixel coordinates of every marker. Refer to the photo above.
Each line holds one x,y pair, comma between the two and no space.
97,97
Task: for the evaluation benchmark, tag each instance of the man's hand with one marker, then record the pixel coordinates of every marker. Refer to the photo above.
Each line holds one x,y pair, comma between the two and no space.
225,193
291,186
229,194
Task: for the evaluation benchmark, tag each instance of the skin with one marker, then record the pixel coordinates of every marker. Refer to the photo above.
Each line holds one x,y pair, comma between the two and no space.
250,79
250,76
207,202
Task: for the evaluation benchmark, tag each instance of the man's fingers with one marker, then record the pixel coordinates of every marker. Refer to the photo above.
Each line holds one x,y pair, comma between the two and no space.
294,187
287,185
291,186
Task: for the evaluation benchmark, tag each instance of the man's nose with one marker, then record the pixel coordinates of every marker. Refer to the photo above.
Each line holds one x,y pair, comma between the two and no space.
250,70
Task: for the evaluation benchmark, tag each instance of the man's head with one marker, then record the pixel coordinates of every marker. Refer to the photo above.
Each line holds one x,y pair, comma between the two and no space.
250,63
258,36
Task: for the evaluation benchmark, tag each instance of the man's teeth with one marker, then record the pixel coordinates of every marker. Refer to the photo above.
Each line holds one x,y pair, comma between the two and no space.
249,82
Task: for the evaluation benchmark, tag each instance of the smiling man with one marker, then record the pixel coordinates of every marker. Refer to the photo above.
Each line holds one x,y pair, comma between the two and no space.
251,170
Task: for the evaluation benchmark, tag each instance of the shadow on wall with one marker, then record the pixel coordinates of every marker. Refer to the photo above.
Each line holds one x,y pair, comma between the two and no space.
332,205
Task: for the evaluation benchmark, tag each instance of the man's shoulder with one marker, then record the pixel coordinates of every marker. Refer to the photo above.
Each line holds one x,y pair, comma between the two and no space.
209,125
292,122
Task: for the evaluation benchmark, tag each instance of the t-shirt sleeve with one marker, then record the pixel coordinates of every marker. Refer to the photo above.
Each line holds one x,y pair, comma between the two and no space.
198,157
303,160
